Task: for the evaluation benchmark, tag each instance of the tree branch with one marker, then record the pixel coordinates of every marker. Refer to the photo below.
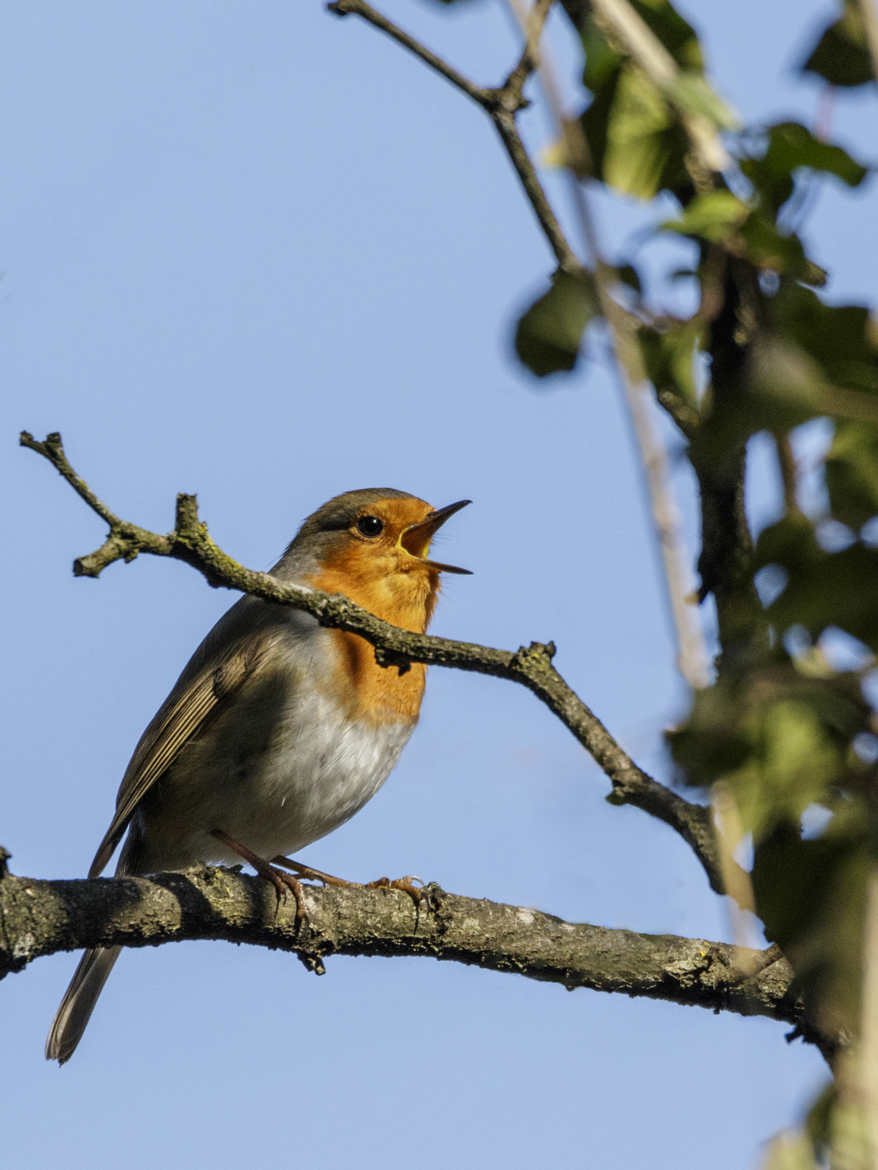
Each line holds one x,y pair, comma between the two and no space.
501,104
41,917
530,666
477,93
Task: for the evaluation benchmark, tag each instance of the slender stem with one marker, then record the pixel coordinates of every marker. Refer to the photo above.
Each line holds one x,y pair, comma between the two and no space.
788,472
501,105
533,189
480,95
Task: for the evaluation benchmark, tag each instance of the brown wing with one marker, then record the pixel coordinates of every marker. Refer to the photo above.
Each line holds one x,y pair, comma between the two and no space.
186,710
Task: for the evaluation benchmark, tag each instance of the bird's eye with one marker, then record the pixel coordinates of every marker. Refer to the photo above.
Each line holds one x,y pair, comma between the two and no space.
370,526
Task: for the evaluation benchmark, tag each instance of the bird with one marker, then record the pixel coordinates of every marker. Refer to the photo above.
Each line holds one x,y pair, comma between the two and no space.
278,729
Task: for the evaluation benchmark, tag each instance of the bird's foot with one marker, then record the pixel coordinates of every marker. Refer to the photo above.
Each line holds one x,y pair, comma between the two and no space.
283,883
418,894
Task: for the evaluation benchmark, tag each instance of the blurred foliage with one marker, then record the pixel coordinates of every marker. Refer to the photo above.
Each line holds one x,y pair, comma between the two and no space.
549,333
841,55
787,727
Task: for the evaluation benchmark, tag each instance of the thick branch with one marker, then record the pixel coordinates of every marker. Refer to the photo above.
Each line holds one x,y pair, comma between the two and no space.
530,666
41,917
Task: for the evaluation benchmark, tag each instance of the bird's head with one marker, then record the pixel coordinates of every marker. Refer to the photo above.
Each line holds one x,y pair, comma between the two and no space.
373,546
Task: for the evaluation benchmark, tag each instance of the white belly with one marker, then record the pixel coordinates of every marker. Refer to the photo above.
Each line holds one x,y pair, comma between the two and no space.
273,791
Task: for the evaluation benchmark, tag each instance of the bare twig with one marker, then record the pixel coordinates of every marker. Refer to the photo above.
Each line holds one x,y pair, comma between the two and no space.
530,666
42,917
514,146
786,459
360,8
529,59
500,103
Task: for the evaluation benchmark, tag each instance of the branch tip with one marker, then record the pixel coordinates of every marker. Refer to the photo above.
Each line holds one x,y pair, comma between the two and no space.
186,519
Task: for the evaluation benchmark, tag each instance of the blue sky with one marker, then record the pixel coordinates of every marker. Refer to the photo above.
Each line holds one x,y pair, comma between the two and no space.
256,252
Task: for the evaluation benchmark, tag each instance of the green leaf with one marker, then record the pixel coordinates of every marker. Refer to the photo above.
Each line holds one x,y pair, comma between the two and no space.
823,588
839,337
634,140
675,33
811,895
791,542
637,150
693,94
549,334
809,359
633,133
601,61
778,735
719,217
841,56
851,470
792,145
771,250
836,589
669,356
711,216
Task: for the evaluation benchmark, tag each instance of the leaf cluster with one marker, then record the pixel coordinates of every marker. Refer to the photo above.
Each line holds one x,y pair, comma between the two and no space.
787,727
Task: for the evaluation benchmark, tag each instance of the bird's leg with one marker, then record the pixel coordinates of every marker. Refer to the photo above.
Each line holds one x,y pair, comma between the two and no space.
310,874
406,884
281,881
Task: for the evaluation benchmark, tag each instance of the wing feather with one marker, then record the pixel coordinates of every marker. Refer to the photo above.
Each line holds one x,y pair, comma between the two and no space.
185,712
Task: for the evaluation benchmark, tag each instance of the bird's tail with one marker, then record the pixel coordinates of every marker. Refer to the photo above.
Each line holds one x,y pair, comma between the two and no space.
79,1001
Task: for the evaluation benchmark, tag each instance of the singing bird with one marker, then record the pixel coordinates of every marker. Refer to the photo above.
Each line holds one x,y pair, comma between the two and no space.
278,730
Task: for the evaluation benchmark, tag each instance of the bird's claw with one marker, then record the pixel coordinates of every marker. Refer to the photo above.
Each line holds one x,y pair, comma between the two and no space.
407,885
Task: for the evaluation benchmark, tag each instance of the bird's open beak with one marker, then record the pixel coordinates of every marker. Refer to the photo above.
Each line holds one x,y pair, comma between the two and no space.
416,538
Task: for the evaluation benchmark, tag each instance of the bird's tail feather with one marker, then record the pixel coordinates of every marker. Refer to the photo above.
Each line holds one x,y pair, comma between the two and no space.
79,1001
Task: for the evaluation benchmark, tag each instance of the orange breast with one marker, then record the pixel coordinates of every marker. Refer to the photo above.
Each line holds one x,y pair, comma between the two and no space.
377,693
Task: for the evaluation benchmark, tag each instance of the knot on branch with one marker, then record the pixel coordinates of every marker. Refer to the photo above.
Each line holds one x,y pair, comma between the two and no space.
507,99
533,658
312,961
192,543
384,656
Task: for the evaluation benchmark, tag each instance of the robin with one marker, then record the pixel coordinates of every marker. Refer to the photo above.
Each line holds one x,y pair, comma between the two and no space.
278,730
